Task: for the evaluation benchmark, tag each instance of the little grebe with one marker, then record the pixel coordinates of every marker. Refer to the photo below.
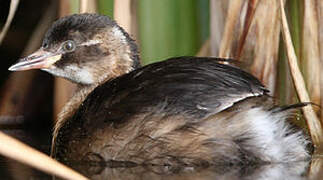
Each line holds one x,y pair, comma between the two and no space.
184,111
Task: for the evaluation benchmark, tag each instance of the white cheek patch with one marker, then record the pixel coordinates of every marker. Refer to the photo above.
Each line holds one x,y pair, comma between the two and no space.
73,73
81,75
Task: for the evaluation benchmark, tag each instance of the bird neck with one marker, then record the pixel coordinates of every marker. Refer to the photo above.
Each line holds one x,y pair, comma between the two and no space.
71,107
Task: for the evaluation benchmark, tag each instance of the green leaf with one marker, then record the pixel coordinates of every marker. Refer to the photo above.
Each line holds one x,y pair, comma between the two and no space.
106,7
169,28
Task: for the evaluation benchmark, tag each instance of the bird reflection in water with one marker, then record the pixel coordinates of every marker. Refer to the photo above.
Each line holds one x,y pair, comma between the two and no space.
295,171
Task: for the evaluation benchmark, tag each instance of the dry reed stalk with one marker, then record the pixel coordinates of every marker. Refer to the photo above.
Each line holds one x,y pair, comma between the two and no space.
257,26
320,19
125,13
88,6
247,22
205,49
285,90
316,168
262,43
12,11
14,149
122,14
310,56
313,122
233,13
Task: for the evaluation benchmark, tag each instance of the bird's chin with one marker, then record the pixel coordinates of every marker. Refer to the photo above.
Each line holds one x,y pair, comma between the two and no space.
75,75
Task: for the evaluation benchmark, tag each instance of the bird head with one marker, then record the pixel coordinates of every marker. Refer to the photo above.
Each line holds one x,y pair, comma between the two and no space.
83,48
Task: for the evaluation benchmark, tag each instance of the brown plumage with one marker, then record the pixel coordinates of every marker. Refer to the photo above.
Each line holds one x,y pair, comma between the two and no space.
185,111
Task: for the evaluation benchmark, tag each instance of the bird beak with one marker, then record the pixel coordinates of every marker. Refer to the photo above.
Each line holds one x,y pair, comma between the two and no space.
38,60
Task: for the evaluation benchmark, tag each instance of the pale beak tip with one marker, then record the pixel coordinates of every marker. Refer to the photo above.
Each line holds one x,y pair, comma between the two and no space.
12,68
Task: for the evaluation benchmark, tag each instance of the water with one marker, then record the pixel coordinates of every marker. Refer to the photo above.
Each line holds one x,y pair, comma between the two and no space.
10,169
293,171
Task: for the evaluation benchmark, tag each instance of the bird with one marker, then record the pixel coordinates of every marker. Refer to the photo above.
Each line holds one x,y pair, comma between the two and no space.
181,112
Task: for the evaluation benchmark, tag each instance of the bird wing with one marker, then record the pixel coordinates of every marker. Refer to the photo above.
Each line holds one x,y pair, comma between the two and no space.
186,85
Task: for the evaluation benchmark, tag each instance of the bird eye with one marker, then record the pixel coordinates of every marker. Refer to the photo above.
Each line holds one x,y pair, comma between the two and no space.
69,46
45,45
